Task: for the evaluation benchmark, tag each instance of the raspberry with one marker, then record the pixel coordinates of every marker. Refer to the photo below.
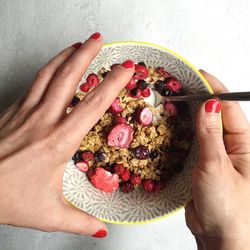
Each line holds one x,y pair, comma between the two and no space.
120,136
115,106
148,185
85,87
144,116
127,187
82,166
146,92
141,152
131,84
119,169
141,72
120,119
173,84
135,179
104,180
92,80
125,175
159,185
87,156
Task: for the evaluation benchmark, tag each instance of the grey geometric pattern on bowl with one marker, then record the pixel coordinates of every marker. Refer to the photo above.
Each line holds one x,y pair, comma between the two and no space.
138,206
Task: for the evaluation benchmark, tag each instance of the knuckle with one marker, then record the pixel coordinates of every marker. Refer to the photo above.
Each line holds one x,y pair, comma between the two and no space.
44,72
213,129
94,101
65,72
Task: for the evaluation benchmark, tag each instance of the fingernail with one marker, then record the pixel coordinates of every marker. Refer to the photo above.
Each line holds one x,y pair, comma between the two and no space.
95,36
77,45
213,106
202,70
128,64
100,234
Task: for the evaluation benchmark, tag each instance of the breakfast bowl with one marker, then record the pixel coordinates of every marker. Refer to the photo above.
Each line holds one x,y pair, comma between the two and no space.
148,191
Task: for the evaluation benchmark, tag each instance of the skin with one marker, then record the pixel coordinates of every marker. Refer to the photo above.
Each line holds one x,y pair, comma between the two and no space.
37,139
218,215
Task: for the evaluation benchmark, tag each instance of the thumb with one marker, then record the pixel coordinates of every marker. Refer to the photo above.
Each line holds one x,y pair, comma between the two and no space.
209,132
75,221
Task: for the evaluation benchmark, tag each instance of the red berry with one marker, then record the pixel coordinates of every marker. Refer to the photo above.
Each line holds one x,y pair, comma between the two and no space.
141,72
163,72
120,119
135,179
88,156
170,108
115,106
125,175
148,185
146,92
104,180
127,187
119,169
92,80
159,185
120,136
131,84
173,84
82,166
85,87
144,116
135,93
114,65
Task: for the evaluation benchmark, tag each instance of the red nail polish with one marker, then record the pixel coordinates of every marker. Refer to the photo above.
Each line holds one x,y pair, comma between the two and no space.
100,234
77,45
213,106
95,36
128,64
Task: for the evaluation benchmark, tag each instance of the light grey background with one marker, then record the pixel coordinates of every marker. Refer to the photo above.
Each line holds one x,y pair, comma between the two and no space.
213,35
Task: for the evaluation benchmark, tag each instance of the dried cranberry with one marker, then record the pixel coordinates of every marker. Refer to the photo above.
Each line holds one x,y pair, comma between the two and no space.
141,72
87,156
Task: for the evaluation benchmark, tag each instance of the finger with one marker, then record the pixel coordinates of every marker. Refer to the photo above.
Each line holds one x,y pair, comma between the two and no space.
75,221
93,106
68,76
45,74
209,134
234,120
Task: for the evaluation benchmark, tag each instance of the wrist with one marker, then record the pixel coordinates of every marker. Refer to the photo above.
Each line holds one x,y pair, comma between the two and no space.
219,243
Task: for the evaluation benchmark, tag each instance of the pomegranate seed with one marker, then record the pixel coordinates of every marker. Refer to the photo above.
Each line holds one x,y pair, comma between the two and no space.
141,72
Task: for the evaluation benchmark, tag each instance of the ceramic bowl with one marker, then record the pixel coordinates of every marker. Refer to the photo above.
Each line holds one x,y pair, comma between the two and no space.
138,206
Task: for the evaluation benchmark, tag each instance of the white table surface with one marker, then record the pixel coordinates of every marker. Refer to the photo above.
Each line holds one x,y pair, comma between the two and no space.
213,35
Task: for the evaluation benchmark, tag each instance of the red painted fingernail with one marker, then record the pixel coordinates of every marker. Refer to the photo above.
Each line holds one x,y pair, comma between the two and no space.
128,64
95,36
213,106
100,234
77,45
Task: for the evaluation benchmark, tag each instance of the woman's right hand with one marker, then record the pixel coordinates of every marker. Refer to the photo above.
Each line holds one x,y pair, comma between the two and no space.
219,214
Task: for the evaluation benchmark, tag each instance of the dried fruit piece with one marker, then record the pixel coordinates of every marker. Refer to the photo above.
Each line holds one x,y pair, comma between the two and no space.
141,152
125,175
135,179
119,169
77,156
173,84
120,136
104,180
75,101
144,116
141,72
85,87
120,119
82,166
141,84
159,185
115,107
148,185
87,156
92,80
163,72
170,108
146,92
131,84
136,93
127,187
100,156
